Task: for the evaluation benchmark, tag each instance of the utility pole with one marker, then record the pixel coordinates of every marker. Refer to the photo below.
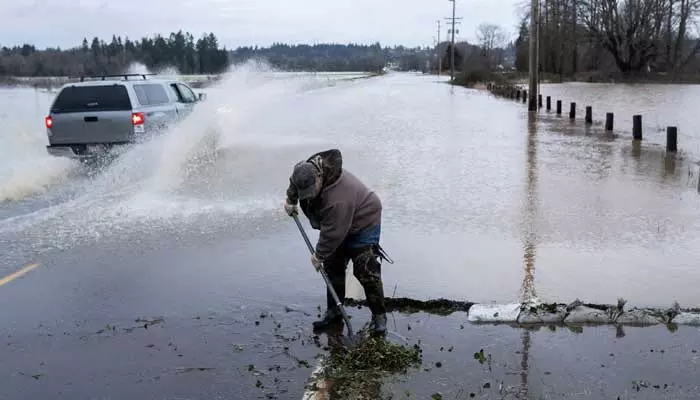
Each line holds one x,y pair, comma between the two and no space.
437,49
454,21
534,55
452,56
452,48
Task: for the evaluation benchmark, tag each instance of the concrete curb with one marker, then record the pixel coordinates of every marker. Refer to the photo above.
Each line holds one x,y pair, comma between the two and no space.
535,313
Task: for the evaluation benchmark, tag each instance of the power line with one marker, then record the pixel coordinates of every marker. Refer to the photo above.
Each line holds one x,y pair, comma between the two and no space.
453,20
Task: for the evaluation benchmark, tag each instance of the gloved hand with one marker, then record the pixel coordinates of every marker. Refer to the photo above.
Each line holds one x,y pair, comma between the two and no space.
290,209
316,262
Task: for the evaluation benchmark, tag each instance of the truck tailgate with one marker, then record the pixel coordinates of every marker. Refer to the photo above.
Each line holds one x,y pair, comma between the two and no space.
91,127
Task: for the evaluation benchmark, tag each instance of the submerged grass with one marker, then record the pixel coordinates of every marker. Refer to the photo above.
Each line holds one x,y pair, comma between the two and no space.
358,373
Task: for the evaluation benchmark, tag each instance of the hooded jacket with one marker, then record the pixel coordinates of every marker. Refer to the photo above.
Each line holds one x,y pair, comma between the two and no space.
344,207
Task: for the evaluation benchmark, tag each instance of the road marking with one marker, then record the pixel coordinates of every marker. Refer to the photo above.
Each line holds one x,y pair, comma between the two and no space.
15,275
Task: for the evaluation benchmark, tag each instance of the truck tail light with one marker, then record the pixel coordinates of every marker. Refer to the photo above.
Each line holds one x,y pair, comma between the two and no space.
137,119
48,121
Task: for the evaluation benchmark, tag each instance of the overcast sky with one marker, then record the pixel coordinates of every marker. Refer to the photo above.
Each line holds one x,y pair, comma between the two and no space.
249,22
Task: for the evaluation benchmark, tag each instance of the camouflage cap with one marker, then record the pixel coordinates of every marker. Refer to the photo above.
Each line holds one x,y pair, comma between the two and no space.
304,179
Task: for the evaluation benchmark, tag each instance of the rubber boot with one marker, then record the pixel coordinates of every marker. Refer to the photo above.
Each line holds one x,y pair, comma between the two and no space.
332,317
379,324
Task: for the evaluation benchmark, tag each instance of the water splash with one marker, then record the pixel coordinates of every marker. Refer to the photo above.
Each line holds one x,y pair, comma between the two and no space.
26,169
175,178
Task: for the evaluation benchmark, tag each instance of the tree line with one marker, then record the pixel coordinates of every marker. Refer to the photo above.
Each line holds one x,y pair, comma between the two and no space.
337,57
180,51
626,38
97,57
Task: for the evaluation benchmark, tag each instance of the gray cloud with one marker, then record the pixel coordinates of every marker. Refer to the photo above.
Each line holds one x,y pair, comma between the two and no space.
248,22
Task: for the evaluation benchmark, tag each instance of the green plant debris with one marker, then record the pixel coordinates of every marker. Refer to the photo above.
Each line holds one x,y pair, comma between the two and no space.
35,376
410,306
480,357
357,372
107,327
551,308
436,396
150,322
193,369
575,328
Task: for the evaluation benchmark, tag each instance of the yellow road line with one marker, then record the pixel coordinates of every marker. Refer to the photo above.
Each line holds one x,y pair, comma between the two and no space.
15,275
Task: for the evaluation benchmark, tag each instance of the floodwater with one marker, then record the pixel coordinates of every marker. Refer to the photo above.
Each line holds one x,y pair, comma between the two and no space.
481,203
174,270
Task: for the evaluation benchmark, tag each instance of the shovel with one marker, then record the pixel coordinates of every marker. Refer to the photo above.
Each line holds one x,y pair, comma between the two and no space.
352,340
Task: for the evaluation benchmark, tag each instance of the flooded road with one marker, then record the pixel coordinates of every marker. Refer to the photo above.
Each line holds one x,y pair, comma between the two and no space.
481,204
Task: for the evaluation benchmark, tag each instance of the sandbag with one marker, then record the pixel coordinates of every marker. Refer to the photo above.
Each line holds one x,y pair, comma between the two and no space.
494,312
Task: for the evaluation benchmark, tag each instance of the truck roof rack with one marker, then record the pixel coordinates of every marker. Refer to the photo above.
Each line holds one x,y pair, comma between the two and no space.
125,76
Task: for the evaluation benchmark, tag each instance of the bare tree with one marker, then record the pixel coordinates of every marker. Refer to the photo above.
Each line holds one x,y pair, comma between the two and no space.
629,36
490,37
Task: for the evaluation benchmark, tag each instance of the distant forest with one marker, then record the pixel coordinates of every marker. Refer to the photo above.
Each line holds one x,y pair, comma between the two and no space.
178,50
594,40
182,52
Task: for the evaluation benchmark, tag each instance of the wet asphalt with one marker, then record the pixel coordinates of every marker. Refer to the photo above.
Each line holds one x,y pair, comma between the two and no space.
174,321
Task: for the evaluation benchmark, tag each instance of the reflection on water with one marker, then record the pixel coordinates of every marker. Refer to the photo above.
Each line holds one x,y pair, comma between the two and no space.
530,211
530,217
525,365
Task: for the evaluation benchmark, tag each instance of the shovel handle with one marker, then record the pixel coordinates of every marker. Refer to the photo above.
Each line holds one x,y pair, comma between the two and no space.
338,303
303,233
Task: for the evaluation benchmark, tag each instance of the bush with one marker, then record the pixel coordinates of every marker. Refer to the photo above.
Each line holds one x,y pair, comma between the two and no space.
471,77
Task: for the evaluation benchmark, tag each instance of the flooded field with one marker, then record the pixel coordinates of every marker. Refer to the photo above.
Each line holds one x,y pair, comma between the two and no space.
481,203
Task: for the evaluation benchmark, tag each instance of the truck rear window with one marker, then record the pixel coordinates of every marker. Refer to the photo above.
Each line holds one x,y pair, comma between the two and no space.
92,98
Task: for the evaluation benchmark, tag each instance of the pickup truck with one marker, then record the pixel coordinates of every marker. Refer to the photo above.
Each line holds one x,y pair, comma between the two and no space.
88,118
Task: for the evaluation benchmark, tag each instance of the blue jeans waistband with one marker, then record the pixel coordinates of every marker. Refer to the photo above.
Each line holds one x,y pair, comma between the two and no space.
365,237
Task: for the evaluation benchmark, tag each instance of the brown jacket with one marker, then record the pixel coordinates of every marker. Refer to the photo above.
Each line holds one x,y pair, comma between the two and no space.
345,206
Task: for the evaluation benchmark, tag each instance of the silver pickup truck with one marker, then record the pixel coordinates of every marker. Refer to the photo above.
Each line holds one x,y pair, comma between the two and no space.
88,118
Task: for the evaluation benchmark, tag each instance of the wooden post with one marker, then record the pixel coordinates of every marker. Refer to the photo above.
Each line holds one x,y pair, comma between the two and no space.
637,127
524,96
589,115
517,94
558,107
539,101
609,121
572,110
549,103
672,139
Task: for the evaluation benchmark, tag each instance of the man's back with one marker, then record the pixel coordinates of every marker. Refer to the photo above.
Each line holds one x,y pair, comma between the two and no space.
358,204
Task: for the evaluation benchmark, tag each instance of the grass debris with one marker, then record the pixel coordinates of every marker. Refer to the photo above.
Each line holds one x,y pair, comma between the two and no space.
357,372
410,306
